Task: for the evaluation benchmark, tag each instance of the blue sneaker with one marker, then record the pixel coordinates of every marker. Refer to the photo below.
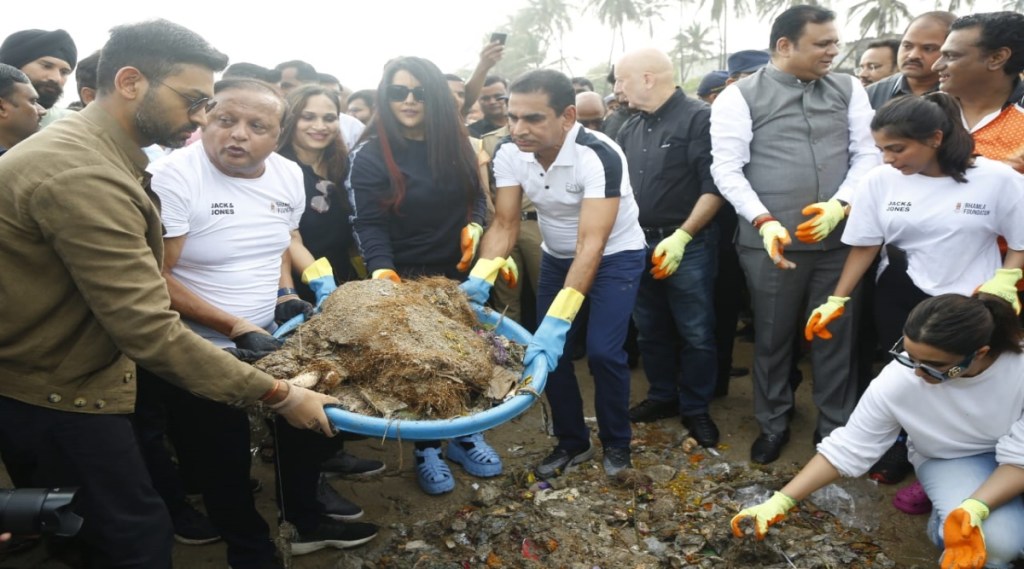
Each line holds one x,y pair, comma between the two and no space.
432,473
479,459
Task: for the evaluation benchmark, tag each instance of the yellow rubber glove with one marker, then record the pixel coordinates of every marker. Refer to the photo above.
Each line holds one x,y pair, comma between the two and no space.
823,316
669,253
471,235
827,215
1004,285
776,238
388,274
510,273
963,538
764,515
549,339
478,286
320,278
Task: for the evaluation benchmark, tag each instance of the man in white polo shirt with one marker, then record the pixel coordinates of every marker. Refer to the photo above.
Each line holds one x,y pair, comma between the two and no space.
593,246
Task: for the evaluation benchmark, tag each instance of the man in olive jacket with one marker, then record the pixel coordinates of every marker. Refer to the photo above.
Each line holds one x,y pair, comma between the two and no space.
81,248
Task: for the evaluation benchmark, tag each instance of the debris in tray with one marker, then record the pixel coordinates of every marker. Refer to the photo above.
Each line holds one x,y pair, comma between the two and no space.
410,350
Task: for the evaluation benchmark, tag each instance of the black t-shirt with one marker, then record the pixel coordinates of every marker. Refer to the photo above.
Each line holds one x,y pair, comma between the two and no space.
325,227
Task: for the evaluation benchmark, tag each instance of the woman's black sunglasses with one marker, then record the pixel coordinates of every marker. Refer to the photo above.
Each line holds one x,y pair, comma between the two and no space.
399,93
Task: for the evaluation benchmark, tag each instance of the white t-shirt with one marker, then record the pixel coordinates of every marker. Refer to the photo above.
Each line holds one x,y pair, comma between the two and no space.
236,231
351,129
953,419
589,165
948,229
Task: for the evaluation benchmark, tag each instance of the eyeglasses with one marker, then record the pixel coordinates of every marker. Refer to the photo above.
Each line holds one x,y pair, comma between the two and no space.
496,98
194,103
322,203
399,93
953,372
872,67
592,124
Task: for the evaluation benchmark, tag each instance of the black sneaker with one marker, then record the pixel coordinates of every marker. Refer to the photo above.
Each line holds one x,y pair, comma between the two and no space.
331,533
616,459
193,528
702,429
649,410
351,466
562,460
335,506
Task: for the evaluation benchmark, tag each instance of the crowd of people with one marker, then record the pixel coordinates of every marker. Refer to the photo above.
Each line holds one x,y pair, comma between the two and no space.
156,232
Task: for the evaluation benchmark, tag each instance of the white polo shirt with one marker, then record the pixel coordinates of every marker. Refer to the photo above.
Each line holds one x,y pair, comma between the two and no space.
589,165
948,229
236,231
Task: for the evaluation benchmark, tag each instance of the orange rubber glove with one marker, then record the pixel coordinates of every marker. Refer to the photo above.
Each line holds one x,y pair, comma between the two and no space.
388,274
827,216
823,316
776,238
764,515
510,273
963,538
471,235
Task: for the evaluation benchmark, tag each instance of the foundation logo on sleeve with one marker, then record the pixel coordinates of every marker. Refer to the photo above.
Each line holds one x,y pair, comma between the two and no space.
968,208
900,206
222,208
281,207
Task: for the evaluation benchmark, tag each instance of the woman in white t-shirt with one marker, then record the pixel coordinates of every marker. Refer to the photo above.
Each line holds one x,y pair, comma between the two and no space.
938,211
956,387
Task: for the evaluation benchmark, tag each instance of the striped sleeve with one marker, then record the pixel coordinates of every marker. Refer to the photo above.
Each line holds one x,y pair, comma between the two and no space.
609,163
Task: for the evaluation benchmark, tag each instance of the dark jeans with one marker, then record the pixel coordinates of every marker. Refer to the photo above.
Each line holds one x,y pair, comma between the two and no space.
300,452
126,523
212,441
896,296
611,299
676,320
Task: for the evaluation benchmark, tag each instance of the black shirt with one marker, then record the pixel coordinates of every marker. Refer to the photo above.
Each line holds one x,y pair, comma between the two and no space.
482,127
427,228
669,157
324,225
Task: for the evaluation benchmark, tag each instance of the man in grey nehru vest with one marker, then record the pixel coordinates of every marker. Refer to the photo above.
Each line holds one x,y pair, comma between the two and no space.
790,141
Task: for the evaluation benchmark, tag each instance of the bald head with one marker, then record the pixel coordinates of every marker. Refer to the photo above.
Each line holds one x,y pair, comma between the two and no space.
590,110
645,76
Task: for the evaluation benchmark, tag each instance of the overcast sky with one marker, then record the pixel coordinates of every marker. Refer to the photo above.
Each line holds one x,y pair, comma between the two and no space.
353,39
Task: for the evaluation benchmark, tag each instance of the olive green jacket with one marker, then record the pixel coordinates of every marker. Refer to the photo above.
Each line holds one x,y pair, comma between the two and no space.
81,294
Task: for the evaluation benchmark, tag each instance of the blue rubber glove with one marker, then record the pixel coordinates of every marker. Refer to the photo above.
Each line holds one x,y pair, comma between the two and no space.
320,278
549,340
481,279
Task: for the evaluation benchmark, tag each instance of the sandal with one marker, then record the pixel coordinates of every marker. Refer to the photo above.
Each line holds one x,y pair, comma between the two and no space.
475,455
912,499
893,467
432,473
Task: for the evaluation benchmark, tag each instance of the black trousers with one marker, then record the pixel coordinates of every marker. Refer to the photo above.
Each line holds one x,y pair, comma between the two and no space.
212,442
896,295
125,522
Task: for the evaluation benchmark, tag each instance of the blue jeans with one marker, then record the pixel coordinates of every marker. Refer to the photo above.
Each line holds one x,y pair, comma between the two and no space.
950,481
676,320
611,300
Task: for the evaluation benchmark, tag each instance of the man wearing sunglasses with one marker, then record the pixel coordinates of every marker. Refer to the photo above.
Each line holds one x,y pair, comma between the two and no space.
81,249
494,104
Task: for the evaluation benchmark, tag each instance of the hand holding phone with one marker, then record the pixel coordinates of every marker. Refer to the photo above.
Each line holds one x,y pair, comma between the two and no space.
499,37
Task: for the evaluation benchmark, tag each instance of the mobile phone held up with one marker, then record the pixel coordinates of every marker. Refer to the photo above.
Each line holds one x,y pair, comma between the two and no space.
499,37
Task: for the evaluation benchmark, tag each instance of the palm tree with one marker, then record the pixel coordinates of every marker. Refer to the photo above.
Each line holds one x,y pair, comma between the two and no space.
1014,5
649,10
769,9
886,16
615,14
955,5
720,15
691,45
549,20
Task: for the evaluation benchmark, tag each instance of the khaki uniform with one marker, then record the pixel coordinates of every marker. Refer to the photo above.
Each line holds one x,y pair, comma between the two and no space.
81,249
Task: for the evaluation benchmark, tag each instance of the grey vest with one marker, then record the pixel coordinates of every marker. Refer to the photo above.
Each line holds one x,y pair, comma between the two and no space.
800,152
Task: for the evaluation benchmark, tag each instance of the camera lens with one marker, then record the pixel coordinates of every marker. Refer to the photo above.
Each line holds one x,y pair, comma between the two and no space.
34,511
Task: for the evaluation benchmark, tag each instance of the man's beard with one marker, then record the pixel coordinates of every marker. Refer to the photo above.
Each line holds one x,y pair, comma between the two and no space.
49,93
155,130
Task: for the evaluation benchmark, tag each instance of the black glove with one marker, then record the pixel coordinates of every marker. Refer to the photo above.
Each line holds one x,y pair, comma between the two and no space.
291,308
248,356
257,342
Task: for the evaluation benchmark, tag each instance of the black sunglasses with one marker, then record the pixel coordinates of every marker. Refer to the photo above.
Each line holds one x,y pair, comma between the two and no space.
953,372
399,93
194,103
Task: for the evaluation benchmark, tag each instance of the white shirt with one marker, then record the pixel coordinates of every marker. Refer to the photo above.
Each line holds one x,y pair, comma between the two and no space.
236,231
953,419
948,229
589,165
351,129
731,135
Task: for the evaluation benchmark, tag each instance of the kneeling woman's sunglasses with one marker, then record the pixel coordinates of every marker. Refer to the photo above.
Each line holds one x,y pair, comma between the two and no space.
953,372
